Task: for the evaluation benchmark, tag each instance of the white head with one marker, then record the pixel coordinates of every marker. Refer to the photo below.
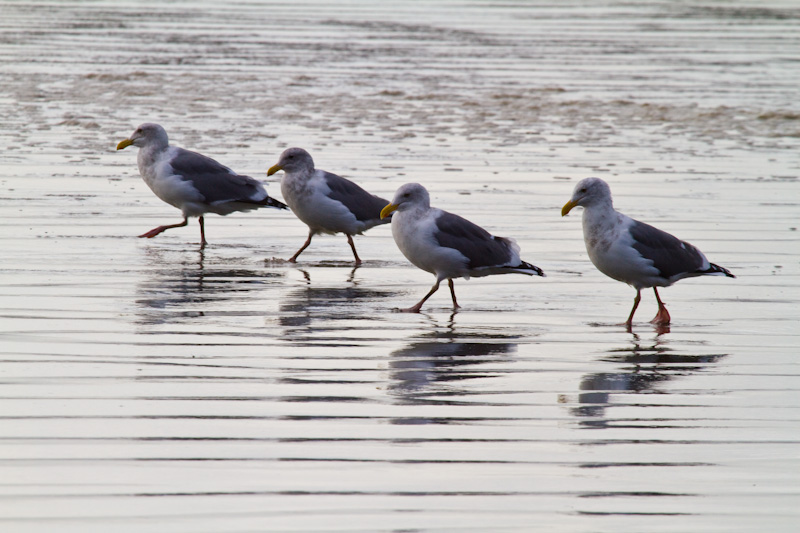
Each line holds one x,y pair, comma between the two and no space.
293,160
588,192
409,196
147,134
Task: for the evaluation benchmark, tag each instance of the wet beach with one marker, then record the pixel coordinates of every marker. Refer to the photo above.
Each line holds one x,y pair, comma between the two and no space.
154,385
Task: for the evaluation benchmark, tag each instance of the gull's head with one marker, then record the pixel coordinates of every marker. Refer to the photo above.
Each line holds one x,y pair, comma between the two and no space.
408,196
588,192
147,134
293,160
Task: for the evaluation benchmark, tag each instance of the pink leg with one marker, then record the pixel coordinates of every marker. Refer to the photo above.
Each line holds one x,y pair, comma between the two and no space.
453,293
353,247
155,231
203,241
662,317
635,305
416,308
293,259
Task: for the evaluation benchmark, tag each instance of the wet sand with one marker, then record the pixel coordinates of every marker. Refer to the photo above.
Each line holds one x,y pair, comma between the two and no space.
151,385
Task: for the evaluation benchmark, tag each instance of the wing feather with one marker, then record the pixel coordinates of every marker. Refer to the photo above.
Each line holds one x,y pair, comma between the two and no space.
363,205
481,248
216,182
670,255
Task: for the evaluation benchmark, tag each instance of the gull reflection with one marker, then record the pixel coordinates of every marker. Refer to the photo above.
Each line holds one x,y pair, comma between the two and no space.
645,365
438,360
308,311
182,285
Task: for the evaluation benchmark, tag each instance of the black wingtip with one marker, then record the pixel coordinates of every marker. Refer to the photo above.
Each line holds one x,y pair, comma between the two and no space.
716,269
272,202
528,266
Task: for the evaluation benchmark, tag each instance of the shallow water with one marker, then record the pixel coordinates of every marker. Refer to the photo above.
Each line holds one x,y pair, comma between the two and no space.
149,385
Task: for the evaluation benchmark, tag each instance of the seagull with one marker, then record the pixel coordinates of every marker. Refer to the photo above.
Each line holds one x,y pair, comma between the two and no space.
447,245
327,203
192,182
634,252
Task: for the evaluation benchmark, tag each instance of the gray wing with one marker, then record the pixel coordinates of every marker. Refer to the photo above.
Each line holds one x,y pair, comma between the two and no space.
363,205
216,182
481,248
670,255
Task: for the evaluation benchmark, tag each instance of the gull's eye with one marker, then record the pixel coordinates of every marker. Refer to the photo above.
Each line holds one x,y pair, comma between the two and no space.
583,190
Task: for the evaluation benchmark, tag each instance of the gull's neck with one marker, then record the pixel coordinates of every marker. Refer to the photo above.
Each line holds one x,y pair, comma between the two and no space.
416,211
600,215
149,155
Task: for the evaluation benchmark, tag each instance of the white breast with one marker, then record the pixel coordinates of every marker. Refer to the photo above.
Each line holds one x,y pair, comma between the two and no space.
414,234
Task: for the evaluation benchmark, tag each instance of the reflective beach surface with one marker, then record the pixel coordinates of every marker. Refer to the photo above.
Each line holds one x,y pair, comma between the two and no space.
154,385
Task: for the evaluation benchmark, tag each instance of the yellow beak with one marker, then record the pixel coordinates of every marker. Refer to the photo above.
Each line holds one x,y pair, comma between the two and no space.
273,169
568,207
124,144
388,210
